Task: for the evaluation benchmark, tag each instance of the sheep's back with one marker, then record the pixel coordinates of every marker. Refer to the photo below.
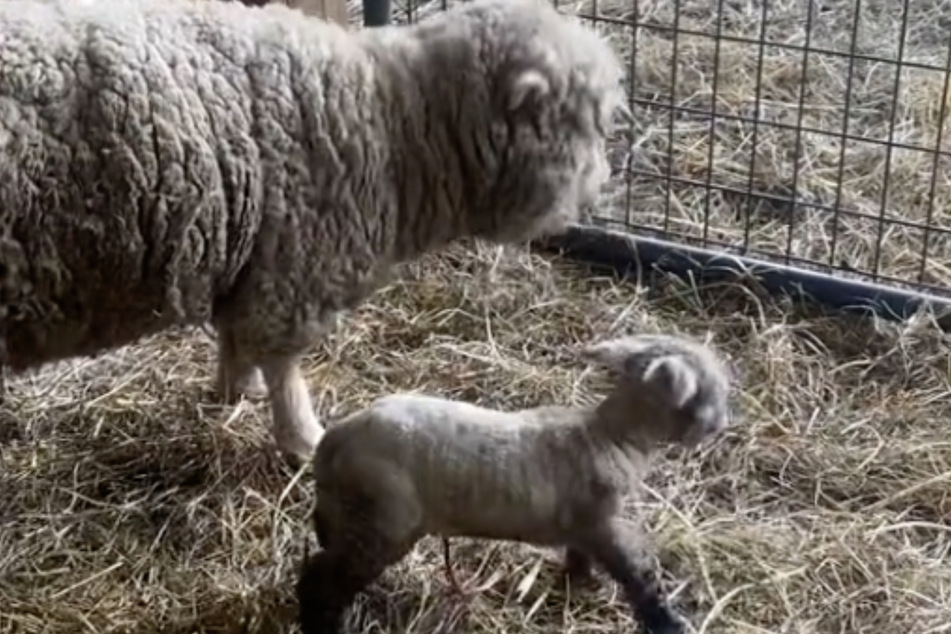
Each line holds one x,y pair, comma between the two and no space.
129,170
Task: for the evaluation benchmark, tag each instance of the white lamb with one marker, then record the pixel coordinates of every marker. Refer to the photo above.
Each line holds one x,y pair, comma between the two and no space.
409,466
171,162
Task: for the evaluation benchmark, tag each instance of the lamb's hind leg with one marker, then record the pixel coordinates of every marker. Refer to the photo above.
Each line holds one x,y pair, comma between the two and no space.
365,535
332,579
237,373
619,550
295,426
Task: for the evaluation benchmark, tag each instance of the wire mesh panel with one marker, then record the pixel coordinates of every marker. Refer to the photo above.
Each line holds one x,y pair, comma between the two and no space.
810,132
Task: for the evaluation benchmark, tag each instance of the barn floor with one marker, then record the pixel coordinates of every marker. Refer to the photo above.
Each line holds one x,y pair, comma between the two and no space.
131,502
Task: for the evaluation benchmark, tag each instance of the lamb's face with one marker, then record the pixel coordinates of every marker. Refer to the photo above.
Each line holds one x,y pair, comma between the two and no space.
704,414
674,384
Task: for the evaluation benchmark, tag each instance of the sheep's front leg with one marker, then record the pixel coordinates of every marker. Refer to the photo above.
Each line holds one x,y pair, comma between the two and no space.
618,549
295,426
237,373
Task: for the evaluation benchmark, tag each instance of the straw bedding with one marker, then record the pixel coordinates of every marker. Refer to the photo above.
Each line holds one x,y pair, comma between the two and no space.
129,503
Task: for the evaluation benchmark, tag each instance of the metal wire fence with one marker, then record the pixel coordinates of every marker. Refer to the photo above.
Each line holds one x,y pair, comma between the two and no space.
808,132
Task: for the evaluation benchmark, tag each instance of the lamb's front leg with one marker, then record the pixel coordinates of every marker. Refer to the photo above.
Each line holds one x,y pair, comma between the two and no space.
295,426
620,550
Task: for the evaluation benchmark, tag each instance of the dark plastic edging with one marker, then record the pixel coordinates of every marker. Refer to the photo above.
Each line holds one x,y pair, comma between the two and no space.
626,254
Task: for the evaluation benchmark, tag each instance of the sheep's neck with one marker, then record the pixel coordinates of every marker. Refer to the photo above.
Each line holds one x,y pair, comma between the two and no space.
433,189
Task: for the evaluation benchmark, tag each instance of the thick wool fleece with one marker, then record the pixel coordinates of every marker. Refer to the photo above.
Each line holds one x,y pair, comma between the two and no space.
170,162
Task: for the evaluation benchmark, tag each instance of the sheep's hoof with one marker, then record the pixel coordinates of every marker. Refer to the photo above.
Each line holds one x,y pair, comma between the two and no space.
298,449
253,386
294,460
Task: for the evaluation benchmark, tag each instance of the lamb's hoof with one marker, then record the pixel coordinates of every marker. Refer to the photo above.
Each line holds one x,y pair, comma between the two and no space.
661,620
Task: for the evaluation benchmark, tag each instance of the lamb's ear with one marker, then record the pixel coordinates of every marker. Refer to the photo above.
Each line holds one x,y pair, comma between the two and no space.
528,88
674,377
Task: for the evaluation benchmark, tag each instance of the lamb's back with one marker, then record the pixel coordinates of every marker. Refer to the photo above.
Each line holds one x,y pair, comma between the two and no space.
476,471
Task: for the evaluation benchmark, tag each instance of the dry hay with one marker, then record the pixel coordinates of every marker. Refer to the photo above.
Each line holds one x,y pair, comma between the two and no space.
129,502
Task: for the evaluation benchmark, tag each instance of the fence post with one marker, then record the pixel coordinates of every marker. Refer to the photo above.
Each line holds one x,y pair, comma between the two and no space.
376,12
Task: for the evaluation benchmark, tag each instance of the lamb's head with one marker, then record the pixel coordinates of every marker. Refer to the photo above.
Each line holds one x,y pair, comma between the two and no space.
669,388
539,94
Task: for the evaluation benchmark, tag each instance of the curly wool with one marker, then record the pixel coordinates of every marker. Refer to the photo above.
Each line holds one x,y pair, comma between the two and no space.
146,149
170,162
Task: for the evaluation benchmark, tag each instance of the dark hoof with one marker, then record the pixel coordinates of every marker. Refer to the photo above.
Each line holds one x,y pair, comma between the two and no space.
661,620
319,611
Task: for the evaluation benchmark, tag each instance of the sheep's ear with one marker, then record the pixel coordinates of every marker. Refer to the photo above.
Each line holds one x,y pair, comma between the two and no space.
528,89
674,377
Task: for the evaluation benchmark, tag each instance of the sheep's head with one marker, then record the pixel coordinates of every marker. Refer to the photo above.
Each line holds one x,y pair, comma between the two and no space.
673,385
535,117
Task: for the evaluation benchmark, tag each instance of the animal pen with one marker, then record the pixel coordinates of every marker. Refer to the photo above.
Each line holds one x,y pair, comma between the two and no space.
804,136
798,141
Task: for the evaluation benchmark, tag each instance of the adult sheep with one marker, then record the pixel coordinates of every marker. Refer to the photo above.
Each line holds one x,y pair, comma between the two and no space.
170,162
